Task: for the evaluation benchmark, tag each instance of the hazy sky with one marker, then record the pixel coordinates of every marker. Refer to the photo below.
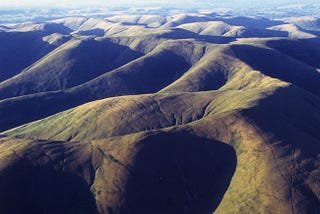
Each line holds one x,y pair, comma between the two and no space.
23,3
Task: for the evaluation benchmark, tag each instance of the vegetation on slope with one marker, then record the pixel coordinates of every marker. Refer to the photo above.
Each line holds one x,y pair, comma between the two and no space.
212,124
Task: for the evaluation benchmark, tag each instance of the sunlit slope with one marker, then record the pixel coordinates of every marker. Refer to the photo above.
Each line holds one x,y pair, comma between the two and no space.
153,114
110,175
146,74
130,114
73,63
19,50
84,58
174,67
276,152
220,28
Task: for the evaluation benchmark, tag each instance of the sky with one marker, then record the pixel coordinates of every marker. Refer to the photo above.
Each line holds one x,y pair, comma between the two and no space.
22,3
12,11
67,3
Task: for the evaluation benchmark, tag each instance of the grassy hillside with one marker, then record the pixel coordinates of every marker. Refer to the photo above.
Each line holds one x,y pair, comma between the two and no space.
73,63
179,66
153,114
130,114
19,50
277,163
98,170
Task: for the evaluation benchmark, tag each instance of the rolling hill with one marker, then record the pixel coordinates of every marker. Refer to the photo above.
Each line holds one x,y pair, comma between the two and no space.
191,113
27,48
68,66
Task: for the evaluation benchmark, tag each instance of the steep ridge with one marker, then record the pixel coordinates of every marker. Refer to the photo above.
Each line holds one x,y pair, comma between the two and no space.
45,176
290,146
152,21
209,124
293,31
76,61
276,64
146,74
25,49
150,73
271,156
303,50
44,27
130,114
211,72
100,168
219,28
306,22
73,23
73,63
251,22
179,19
231,67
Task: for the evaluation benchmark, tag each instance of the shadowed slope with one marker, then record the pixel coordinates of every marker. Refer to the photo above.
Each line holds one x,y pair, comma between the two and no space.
277,145
32,107
58,175
83,59
278,65
130,114
247,143
45,177
177,172
290,152
250,22
222,67
296,136
277,157
73,63
45,28
303,50
219,28
293,31
211,72
147,74
19,50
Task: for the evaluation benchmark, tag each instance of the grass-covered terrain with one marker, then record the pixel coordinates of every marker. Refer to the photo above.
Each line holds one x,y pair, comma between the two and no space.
153,114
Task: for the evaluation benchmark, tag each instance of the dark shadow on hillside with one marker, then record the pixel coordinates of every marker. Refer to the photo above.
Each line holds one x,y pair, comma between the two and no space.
98,57
20,110
292,115
26,188
178,33
134,24
88,60
49,28
281,66
18,50
95,32
186,19
263,33
179,173
250,22
147,76
304,50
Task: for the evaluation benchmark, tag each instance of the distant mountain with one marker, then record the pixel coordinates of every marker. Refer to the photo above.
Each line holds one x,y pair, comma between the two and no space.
187,113
218,28
306,22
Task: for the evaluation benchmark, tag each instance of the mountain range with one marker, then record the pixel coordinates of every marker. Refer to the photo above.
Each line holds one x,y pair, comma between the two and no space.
188,113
